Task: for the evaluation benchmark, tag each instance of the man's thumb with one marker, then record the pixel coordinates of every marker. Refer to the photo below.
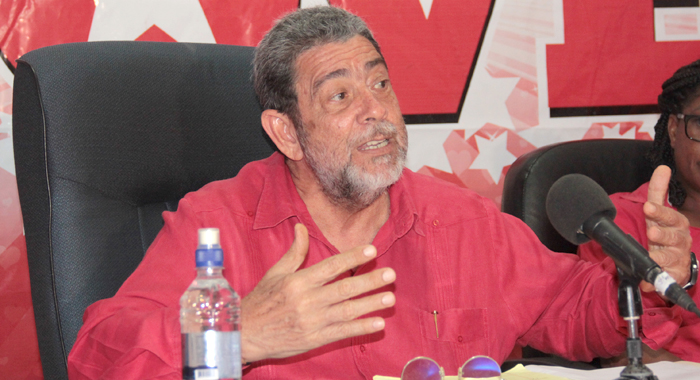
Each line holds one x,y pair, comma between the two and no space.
292,260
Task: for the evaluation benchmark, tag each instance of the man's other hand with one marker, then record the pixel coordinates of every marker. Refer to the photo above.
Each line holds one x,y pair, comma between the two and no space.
292,311
667,230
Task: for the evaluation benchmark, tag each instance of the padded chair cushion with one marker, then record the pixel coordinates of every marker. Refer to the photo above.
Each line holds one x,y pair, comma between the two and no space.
107,136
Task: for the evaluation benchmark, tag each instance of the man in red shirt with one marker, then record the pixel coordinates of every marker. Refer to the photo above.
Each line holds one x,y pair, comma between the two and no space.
349,264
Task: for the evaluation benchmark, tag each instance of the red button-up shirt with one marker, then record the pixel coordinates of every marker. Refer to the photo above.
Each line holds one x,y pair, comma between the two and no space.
630,218
486,274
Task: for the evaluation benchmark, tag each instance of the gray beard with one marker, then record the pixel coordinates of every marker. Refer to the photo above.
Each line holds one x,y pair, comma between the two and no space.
350,186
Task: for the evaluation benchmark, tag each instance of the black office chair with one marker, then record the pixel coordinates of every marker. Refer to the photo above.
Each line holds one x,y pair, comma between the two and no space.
107,136
617,165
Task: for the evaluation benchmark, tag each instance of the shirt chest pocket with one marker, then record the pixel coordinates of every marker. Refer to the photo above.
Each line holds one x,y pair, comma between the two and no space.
454,335
459,335
459,326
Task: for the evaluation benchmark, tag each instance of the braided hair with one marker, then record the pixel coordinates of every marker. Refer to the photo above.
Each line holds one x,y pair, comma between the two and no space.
677,92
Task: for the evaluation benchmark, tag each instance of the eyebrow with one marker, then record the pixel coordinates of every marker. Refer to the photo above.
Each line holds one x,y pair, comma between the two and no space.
333,74
379,61
345,72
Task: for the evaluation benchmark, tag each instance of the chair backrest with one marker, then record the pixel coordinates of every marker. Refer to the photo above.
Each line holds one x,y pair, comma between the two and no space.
617,165
107,136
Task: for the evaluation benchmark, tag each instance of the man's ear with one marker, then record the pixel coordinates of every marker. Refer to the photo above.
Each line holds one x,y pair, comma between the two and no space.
672,128
282,132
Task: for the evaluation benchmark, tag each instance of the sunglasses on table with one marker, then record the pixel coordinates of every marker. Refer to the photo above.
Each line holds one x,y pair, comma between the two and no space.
477,367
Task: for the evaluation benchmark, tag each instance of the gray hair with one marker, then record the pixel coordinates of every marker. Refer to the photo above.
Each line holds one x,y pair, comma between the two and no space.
274,75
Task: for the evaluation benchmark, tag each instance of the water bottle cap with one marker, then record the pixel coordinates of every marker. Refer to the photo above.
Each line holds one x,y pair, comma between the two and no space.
209,257
209,253
208,236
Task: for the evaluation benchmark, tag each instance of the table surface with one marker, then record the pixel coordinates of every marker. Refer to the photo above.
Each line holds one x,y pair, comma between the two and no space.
663,370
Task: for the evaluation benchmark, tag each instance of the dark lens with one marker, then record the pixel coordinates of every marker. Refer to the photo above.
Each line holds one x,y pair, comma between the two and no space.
421,368
480,367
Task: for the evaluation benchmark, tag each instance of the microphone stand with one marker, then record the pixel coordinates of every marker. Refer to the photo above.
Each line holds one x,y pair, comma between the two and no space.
629,302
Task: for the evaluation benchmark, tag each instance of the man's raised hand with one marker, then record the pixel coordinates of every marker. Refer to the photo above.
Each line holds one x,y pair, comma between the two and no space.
292,311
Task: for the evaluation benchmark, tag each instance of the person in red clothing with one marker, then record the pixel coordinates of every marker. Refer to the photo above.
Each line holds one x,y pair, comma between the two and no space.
349,264
677,145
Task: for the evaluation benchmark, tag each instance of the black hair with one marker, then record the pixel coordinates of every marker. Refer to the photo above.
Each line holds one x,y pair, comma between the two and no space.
677,92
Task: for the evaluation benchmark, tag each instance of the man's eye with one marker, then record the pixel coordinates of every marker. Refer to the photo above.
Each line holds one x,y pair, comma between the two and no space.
381,84
339,96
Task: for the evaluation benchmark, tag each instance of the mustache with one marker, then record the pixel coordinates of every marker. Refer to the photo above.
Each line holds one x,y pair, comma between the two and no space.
383,128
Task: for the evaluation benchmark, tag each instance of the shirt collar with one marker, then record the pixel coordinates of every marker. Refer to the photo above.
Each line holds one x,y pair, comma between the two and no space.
278,196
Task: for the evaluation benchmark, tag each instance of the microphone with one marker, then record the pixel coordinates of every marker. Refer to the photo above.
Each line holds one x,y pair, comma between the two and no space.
580,210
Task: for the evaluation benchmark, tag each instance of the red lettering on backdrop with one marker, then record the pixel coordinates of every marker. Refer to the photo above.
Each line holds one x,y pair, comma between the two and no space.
244,22
610,57
32,24
429,60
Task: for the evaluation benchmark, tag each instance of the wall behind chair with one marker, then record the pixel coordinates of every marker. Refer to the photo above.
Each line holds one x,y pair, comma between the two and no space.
480,82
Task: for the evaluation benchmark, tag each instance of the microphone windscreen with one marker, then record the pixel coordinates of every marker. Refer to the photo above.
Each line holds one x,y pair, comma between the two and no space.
571,201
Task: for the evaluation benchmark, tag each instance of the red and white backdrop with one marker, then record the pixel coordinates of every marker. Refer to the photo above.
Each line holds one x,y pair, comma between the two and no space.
480,82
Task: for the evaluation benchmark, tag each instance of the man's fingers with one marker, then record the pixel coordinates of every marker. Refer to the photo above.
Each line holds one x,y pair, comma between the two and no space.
353,309
296,254
344,330
331,267
658,185
354,286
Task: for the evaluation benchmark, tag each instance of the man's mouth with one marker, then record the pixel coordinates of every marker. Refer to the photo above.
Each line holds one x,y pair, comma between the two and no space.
375,144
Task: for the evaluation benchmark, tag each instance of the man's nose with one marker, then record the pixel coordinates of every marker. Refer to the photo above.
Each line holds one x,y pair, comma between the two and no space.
373,108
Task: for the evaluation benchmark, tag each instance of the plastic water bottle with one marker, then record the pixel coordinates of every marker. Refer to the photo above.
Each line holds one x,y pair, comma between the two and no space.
210,317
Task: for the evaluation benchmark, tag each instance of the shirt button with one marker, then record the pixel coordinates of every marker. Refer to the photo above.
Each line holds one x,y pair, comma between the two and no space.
459,338
250,213
362,348
652,313
436,222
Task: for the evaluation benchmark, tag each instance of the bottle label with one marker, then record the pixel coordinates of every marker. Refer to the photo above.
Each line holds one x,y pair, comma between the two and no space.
211,355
